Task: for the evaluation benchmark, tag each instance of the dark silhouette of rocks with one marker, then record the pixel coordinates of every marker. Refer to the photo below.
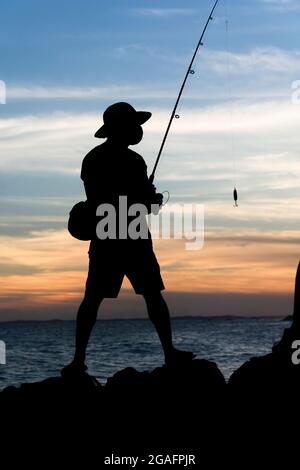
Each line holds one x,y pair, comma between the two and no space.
288,318
169,407
263,398
188,407
276,372
272,373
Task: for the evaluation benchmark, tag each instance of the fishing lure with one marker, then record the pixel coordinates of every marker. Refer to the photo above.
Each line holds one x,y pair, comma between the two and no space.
235,198
229,92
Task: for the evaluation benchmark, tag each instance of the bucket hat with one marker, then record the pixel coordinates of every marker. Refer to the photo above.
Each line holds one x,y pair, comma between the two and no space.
119,113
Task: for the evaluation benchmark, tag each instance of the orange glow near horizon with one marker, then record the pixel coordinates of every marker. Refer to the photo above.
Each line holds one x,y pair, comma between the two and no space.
50,267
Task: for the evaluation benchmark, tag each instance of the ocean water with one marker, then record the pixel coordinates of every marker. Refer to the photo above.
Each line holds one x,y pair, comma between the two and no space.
37,350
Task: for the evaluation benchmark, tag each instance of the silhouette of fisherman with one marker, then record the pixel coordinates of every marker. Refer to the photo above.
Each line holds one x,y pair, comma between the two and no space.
108,171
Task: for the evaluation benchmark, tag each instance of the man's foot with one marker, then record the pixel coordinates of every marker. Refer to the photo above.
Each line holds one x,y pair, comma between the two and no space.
177,357
74,369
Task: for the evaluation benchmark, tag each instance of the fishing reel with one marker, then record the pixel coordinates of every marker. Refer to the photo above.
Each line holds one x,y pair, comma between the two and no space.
164,199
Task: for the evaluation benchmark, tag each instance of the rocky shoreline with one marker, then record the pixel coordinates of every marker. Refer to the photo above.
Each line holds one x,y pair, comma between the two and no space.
187,407
252,419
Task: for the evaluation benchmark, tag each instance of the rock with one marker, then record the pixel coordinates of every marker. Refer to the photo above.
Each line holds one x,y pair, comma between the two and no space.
184,409
141,409
288,318
54,387
296,310
274,373
263,406
263,400
192,379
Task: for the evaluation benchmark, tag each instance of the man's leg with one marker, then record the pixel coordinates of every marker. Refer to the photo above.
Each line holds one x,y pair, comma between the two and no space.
159,315
86,318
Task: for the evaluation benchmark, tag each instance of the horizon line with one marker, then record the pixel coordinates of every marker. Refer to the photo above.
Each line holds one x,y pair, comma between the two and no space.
177,317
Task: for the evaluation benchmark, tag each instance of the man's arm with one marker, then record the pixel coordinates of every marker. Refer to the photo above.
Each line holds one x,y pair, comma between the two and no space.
149,196
92,182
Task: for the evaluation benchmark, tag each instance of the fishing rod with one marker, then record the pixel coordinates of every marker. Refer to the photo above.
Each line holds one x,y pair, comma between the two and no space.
189,71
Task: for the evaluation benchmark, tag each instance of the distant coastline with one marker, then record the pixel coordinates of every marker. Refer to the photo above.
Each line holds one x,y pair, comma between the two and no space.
174,318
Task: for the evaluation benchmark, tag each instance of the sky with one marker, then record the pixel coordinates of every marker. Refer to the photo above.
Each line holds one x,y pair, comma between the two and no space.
64,62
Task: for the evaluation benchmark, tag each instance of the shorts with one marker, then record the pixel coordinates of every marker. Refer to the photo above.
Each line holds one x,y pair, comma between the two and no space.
110,262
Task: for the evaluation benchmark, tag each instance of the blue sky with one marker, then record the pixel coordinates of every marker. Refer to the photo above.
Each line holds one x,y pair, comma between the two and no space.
64,62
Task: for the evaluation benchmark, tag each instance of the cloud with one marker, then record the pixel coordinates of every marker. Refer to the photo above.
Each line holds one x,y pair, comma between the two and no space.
247,117
236,263
258,60
164,12
198,164
84,93
239,67
12,269
265,154
282,5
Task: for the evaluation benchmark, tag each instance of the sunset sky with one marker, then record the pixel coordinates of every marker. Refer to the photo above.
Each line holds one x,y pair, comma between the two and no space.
64,62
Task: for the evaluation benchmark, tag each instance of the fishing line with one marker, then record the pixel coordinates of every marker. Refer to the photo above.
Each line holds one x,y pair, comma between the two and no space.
191,71
229,97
